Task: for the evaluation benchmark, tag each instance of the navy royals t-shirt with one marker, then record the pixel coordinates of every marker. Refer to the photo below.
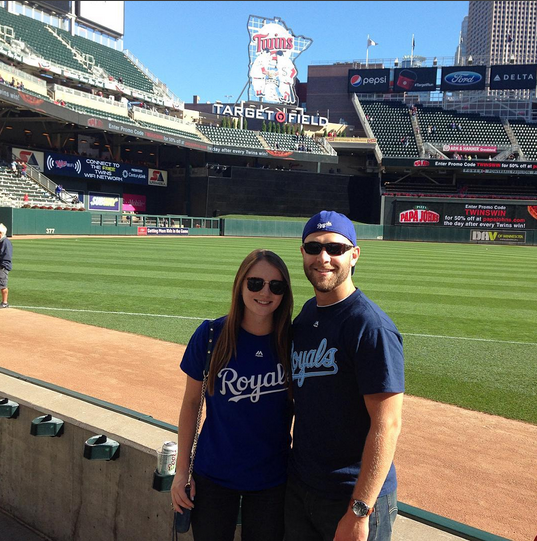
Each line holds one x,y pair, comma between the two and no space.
245,439
340,353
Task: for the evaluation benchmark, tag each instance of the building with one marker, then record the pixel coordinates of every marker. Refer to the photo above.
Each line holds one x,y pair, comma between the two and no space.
502,32
460,53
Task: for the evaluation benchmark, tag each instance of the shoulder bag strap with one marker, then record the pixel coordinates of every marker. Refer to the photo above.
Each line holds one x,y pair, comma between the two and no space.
203,390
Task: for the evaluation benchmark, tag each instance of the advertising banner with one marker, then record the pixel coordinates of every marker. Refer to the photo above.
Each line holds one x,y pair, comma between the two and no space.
498,237
463,78
485,216
31,157
415,79
487,167
158,177
103,201
94,169
512,77
134,203
273,50
142,231
368,80
470,148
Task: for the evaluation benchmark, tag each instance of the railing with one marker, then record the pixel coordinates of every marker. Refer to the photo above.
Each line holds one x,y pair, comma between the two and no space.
151,112
23,76
326,146
417,134
171,221
367,127
84,59
38,177
177,102
88,97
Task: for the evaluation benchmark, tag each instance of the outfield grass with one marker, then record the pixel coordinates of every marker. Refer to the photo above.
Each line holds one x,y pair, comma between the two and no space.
468,313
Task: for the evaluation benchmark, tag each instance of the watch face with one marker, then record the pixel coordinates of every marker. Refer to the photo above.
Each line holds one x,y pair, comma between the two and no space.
359,508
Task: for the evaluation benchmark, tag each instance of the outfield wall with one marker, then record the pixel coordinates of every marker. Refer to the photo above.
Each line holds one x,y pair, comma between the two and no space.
262,228
59,222
464,220
68,222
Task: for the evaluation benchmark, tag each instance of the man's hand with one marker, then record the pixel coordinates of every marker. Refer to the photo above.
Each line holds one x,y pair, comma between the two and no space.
352,528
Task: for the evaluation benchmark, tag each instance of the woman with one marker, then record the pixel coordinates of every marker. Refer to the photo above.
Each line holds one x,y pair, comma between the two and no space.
243,446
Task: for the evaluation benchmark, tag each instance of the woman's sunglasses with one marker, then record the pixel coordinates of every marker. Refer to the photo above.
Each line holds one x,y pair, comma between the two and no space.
277,287
332,248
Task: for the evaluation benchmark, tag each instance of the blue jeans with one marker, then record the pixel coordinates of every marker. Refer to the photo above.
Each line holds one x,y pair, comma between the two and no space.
308,517
216,510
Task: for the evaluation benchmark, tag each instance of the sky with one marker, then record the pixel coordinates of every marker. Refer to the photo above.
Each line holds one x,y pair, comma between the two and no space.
201,48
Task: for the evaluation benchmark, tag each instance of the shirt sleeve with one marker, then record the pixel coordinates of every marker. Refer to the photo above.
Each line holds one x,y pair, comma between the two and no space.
380,362
195,355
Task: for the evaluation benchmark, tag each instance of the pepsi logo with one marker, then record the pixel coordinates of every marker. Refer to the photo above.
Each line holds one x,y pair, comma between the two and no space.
356,80
463,78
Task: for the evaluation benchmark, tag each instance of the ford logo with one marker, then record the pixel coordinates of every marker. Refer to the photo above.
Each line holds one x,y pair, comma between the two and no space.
463,78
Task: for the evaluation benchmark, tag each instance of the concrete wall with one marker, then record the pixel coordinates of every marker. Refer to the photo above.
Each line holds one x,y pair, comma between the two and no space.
48,484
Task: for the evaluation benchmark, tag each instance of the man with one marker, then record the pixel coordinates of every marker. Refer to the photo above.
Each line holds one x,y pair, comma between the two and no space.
348,384
6,253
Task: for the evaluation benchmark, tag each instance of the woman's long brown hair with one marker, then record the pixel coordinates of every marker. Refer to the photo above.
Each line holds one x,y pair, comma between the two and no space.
226,345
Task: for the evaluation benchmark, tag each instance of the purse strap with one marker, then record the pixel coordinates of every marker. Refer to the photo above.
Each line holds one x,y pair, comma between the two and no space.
200,411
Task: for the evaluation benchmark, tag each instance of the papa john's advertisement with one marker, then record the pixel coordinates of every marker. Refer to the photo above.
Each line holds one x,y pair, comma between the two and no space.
466,215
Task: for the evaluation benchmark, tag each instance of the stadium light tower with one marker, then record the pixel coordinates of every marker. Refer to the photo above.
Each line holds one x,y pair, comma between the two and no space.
228,96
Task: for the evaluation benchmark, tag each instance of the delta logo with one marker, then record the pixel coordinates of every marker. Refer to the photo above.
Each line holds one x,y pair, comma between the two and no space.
419,215
356,80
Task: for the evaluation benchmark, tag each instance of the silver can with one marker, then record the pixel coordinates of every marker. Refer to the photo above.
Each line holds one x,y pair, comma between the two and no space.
167,458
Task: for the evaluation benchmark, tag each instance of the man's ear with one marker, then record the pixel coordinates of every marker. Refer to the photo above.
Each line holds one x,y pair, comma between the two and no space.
355,255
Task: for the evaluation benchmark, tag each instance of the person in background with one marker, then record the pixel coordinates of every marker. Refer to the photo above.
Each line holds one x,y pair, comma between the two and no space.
348,382
6,254
242,452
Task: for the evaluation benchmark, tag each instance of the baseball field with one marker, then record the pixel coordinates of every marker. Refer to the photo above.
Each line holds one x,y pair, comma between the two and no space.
468,313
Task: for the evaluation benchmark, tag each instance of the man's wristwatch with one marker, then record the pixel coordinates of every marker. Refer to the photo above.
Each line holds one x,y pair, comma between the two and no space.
360,508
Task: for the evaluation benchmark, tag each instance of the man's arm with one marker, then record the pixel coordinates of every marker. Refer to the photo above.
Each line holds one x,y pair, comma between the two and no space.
385,410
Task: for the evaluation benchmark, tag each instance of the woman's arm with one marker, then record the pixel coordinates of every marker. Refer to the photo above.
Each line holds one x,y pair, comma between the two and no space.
186,430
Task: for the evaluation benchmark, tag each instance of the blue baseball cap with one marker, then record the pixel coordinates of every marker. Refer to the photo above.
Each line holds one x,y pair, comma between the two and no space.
330,221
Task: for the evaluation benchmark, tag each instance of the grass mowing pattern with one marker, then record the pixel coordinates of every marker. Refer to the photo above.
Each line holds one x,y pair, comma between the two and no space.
450,290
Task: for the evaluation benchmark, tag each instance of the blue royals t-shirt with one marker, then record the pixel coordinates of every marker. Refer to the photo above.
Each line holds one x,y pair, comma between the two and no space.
245,439
340,353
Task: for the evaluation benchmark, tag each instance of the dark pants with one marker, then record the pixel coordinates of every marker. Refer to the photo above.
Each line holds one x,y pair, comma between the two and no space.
216,509
309,517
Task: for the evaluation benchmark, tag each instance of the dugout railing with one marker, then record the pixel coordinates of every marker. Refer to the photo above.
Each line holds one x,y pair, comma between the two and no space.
138,435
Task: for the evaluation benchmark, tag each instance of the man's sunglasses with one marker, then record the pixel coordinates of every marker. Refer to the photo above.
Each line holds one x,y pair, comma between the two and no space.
277,287
332,248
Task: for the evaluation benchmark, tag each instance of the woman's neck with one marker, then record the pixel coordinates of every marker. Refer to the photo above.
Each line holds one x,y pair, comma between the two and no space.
257,325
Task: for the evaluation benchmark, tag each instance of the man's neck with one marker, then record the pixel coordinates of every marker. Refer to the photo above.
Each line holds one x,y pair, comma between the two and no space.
336,295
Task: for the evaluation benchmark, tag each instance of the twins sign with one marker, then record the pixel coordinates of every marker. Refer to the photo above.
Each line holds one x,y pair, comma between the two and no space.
272,50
